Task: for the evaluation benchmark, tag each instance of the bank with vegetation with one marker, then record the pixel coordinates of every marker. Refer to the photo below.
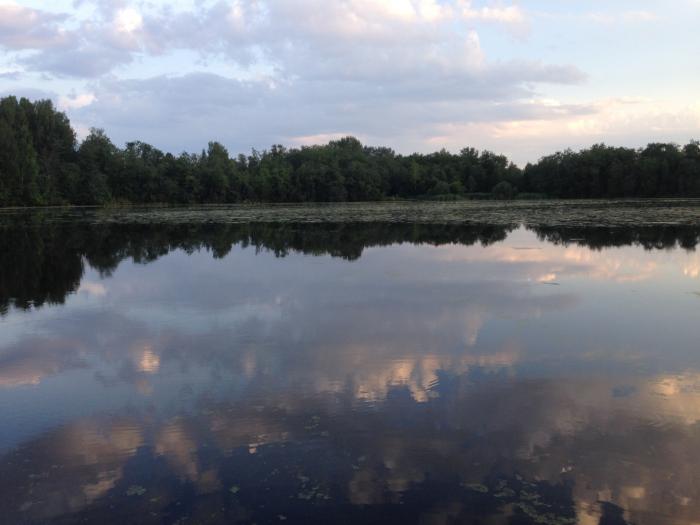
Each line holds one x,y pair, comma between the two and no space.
42,163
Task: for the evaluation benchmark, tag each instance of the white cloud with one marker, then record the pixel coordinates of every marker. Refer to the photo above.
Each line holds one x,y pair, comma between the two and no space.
245,114
128,20
75,101
413,74
512,14
550,126
379,70
288,33
25,28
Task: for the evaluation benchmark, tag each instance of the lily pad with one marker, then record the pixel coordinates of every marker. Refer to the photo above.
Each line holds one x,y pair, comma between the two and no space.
135,490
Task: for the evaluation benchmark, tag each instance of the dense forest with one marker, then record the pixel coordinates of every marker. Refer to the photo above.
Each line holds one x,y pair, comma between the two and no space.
41,163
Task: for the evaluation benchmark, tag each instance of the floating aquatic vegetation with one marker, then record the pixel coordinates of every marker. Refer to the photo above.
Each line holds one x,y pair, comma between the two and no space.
545,518
478,487
593,213
135,490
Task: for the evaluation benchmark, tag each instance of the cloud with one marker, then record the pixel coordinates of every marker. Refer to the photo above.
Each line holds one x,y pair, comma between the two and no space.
412,74
84,61
176,113
25,28
512,16
94,47
128,20
286,70
30,93
546,125
10,75
298,38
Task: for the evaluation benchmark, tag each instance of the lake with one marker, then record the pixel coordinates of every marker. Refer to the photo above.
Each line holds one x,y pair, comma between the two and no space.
432,363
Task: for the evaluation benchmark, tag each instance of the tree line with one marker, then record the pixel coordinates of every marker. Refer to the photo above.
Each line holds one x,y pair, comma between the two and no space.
42,163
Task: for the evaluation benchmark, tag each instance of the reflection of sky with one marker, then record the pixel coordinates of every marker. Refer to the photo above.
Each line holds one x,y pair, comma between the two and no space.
575,338
409,298
375,318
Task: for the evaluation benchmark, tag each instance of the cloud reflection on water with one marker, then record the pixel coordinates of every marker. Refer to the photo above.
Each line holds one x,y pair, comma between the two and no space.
434,370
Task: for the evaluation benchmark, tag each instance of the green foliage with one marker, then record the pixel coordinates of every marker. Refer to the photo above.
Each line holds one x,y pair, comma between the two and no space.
98,161
531,196
659,170
41,164
503,190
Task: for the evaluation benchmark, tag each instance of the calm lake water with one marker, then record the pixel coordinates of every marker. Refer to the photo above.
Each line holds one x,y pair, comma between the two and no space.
394,363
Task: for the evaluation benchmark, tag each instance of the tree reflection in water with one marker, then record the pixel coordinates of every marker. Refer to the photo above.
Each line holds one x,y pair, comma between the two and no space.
405,373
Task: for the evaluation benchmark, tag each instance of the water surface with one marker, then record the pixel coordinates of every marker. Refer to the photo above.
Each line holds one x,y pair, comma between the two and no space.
401,363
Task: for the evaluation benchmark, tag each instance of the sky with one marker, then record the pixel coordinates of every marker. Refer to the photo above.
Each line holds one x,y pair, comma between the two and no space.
522,78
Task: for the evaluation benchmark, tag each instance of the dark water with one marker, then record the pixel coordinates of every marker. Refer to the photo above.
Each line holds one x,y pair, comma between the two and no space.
473,363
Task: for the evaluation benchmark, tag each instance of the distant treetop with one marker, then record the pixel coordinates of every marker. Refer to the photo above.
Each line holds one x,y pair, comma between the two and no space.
41,163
